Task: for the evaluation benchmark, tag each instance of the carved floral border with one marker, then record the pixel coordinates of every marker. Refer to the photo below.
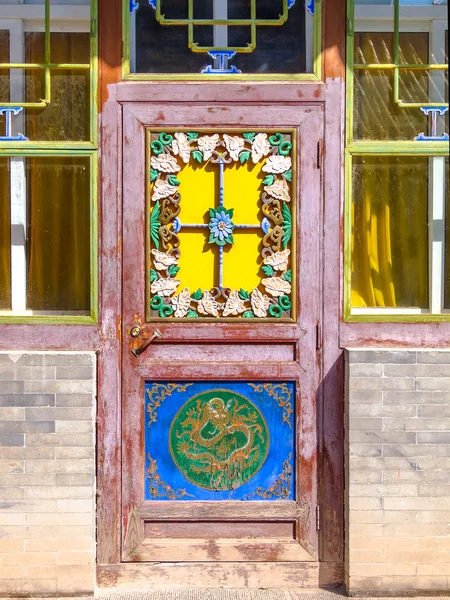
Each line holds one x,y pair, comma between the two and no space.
167,151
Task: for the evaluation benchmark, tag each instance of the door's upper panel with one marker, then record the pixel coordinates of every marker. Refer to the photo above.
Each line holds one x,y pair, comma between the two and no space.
221,38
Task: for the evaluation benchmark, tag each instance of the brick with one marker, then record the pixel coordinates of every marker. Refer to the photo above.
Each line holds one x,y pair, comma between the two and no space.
432,569
401,398
9,546
12,572
415,583
416,476
58,414
433,516
61,359
416,451
74,400
384,383
11,466
74,426
78,579
75,506
75,558
366,424
12,413
358,584
12,532
12,440
75,453
364,503
383,543
434,543
365,476
434,490
10,493
28,586
433,383
383,356
27,427
433,357
28,400
436,370
399,516
382,437
74,372
20,453
28,506
364,529
70,479
69,519
59,386
365,556
401,490
370,450
10,519
366,516
382,463
59,439
366,397
383,569
365,370
60,545
29,558
61,466
11,358
416,424
434,411
382,410
419,503
56,492
11,387
433,438
27,479
74,532
26,373
416,530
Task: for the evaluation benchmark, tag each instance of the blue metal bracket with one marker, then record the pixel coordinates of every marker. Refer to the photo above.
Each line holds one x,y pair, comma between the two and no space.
309,5
9,111
221,66
434,111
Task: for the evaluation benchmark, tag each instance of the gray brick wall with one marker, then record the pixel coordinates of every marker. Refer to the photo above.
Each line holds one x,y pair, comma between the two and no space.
397,456
47,470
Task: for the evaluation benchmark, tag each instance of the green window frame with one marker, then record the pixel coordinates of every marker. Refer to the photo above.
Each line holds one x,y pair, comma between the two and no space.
33,148
315,75
360,149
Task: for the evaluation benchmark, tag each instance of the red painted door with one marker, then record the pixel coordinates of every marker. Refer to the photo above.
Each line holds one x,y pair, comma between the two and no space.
211,405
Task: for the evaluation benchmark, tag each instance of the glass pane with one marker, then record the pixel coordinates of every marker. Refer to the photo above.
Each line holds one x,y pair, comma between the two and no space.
5,236
278,47
4,76
222,209
390,232
378,113
447,236
58,238
67,115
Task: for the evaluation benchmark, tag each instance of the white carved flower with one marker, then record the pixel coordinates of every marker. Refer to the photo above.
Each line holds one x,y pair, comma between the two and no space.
234,145
277,164
181,303
165,286
278,260
260,303
163,261
279,189
166,163
163,189
182,146
275,286
207,305
207,144
260,147
234,305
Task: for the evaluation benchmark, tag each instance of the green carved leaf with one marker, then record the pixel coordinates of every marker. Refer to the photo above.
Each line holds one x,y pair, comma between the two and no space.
243,294
268,270
155,225
197,155
287,225
288,275
213,239
192,314
249,135
244,156
153,174
212,213
173,180
191,135
268,179
249,314
173,270
197,295
230,212
288,175
229,239
153,275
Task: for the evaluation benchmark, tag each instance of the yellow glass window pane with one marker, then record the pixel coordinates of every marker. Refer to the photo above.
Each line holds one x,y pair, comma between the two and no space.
447,236
376,116
58,233
390,233
67,115
5,236
242,262
4,74
197,261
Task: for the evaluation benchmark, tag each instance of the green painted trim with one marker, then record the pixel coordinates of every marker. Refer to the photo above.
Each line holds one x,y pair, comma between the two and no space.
349,73
93,280
427,318
391,148
315,76
347,233
47,148
392,66
50,320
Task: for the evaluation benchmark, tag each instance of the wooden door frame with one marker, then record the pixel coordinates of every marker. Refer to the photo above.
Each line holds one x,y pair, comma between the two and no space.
330,95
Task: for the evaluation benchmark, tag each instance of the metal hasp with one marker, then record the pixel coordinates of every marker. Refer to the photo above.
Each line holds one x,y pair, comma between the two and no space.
138,351
434,137
9,111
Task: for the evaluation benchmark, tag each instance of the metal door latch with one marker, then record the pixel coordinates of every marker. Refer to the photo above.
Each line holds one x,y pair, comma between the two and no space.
135,332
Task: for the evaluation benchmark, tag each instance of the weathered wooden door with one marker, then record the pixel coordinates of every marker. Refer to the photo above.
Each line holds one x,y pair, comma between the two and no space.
221,263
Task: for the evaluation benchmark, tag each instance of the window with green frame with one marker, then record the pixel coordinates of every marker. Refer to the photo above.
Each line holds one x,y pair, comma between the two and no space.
397,254
48,161
221,39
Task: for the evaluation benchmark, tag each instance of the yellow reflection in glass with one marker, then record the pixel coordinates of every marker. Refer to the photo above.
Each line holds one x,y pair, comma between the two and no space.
240,262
